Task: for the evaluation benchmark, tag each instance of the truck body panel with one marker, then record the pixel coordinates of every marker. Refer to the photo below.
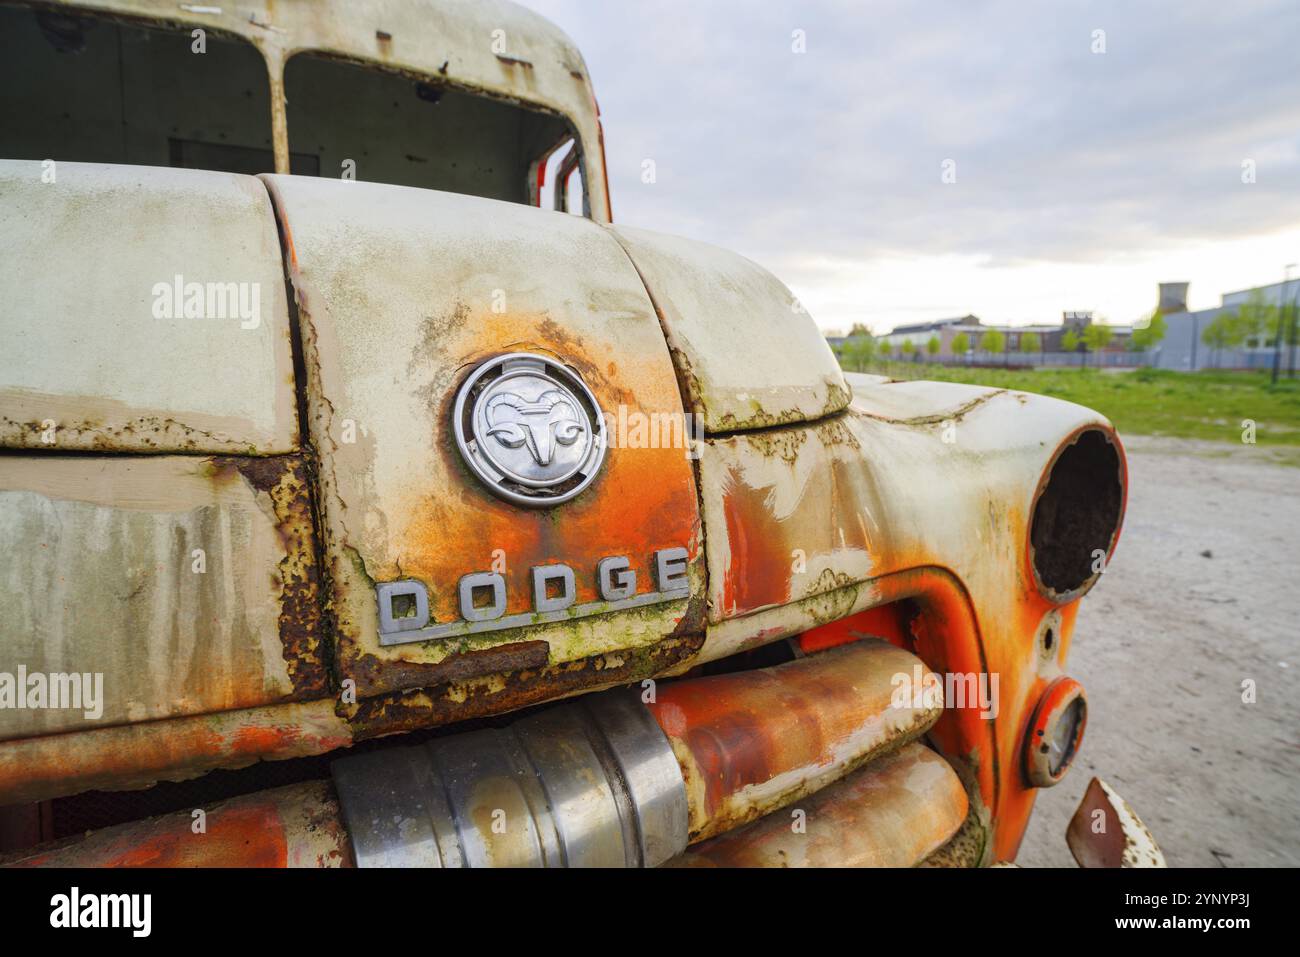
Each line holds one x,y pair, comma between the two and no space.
146,312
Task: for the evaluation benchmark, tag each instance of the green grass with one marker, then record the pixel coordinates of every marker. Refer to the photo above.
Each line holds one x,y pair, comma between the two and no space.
1198,405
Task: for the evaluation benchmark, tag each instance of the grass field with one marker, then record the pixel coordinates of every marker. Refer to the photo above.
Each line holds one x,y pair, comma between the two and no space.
1199,405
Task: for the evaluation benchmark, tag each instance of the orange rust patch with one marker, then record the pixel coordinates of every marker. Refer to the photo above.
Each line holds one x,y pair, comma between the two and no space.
745,729
758,570
891,622
245,836
643,501
138,755
286,481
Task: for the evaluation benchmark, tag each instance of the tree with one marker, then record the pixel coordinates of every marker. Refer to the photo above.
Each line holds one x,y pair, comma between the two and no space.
1072,342
1030,342
1256,319
1225,332
868,346
1147,335
907,348
960,344
933,346
992,341
1097,336
1291,321
859,329
859,351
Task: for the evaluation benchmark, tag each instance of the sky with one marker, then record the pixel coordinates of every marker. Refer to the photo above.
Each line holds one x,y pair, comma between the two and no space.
1085,166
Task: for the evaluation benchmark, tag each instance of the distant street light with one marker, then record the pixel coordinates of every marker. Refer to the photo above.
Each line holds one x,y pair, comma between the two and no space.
1291,328
1281,316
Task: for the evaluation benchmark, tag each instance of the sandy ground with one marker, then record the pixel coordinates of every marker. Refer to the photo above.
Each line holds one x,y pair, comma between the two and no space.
1203,594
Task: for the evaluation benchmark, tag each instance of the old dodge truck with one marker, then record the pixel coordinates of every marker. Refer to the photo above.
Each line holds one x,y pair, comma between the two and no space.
357,509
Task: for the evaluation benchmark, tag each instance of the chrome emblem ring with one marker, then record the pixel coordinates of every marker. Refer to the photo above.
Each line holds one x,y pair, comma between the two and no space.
530,429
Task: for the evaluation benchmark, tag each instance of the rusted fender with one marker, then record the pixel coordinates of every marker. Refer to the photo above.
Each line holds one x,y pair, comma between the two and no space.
751,742
295,826
1106,832
925,491
892,813
709,299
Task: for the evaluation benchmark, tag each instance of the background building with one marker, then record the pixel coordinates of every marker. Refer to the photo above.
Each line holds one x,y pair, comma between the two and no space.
946,329
1182,347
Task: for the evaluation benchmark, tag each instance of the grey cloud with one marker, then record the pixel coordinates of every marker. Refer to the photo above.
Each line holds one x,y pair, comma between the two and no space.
1061,154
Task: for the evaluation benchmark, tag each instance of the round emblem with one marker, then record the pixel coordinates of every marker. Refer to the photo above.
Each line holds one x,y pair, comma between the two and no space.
530,429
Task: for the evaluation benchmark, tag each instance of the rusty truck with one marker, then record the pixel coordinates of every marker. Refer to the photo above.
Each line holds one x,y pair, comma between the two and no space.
370,496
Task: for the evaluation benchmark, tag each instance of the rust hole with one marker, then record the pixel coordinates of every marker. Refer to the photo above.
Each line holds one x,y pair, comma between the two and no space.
1077,514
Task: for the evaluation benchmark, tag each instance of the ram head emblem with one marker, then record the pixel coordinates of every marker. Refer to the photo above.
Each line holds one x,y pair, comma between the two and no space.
549,420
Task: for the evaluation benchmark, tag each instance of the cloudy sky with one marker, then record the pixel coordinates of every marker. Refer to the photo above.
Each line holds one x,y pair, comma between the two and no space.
1082,178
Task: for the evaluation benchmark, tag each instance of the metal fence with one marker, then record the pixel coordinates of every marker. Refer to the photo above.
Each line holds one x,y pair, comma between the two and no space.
1161,358
1207,358
1020,360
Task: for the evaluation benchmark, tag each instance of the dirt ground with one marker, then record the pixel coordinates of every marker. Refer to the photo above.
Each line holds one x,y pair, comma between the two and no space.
1203,594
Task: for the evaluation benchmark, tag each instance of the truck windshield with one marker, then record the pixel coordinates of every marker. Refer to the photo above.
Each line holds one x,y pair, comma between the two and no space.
390,128
96,91
78,87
